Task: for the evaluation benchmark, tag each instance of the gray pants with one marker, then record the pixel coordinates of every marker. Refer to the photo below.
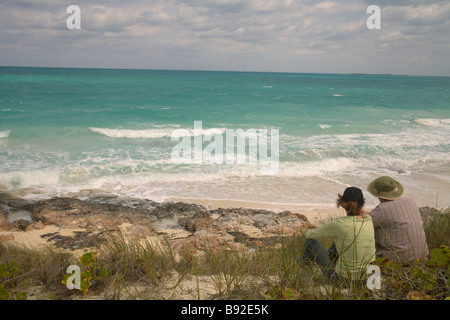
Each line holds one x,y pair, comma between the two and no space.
313,251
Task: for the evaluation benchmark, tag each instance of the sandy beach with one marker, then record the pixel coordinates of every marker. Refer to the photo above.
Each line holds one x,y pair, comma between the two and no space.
316,213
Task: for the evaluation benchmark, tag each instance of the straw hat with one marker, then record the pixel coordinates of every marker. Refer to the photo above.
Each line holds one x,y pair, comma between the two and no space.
385,188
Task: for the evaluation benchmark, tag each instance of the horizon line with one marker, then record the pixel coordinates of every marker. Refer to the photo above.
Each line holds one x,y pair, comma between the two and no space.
234,71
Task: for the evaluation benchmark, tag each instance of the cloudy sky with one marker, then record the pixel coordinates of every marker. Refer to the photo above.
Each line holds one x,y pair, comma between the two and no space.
322,36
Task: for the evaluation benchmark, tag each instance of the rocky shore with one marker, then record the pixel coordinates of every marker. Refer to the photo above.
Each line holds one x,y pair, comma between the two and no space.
185,225
81,223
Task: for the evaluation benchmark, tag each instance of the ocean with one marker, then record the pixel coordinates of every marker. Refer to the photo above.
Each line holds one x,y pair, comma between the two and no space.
78,132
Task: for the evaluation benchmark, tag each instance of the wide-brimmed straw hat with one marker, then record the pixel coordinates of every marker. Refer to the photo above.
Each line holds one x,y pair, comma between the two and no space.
385,188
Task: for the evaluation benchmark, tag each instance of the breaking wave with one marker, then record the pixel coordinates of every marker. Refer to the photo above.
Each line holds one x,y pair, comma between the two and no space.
4,134
430,122
154,133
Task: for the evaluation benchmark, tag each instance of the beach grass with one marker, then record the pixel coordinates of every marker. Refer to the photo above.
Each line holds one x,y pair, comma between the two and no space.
125,268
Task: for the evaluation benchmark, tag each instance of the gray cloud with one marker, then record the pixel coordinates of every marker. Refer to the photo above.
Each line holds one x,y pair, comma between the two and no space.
401,3
270,35
423,15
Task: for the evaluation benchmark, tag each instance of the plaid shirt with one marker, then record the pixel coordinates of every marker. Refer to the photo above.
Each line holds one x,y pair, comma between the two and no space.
399,233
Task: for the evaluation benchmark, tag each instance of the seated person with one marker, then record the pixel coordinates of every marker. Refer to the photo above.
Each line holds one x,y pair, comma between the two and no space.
399,233
354,244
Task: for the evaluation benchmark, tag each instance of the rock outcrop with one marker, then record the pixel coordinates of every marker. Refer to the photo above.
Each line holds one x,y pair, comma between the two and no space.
235,228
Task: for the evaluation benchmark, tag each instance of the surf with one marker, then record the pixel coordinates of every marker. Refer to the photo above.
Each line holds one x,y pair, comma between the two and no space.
152,133
431,122
4,134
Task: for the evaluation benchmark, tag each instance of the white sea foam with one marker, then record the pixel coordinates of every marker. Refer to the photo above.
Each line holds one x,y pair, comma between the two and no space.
153,133
158,179
147,172
26,179
430,122
410,140
324,126
4,134
132,134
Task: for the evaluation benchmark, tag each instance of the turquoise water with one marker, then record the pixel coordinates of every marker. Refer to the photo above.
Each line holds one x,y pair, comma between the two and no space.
67,130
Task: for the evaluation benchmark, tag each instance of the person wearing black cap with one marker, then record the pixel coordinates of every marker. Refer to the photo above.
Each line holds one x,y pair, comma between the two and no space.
353,248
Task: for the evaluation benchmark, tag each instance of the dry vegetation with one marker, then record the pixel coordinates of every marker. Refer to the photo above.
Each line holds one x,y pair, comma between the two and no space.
129,269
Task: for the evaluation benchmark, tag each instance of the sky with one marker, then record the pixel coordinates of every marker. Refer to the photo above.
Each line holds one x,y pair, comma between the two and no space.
310,36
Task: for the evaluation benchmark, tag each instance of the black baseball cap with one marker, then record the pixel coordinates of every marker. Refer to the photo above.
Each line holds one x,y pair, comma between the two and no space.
353,194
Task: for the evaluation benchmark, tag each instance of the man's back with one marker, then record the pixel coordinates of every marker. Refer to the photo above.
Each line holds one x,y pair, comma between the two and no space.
399,233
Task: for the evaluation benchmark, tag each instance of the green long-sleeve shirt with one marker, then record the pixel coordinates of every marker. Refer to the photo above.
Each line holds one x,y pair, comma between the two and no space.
354,255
